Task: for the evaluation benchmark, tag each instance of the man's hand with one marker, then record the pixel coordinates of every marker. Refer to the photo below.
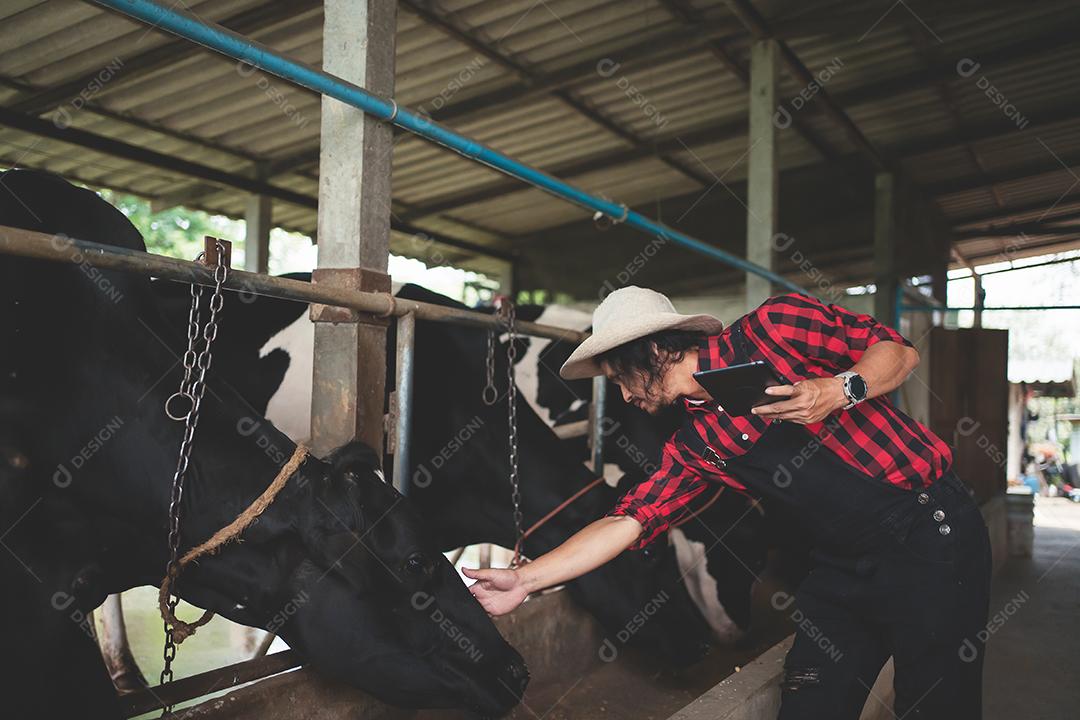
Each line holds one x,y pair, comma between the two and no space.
498,590
807,401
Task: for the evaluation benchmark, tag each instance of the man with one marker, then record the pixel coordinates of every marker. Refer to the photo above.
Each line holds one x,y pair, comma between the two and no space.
902,559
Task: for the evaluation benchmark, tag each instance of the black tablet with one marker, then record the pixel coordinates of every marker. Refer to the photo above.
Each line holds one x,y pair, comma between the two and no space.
737,388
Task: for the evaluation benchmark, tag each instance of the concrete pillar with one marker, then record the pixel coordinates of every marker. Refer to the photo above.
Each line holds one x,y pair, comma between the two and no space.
980,300
257,219
354,226
886,277
763,181
939,284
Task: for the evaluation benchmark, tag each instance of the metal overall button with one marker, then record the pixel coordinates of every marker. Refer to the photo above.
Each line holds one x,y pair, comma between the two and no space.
923,498
939,515
944,529
713,458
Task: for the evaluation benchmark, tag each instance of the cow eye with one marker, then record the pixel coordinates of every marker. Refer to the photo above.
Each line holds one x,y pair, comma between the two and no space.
416,564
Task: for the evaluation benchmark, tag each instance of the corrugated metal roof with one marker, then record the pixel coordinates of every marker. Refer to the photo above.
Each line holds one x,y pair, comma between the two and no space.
892,66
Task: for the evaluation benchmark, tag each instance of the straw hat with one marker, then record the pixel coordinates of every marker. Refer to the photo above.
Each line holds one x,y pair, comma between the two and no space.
627,314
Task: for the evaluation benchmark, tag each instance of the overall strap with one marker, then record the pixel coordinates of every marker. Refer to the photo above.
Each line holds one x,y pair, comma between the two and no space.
739,343
686,434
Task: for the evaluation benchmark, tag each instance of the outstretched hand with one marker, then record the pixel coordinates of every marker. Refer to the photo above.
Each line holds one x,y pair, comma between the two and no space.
498,590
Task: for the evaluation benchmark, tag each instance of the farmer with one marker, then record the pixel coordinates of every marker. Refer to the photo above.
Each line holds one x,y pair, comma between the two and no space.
902,557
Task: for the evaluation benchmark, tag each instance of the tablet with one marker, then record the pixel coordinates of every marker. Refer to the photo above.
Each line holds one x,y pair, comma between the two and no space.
737,388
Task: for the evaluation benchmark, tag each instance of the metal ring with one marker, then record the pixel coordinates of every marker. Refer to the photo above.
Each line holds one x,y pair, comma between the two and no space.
168,402
625,213
392,310
393,115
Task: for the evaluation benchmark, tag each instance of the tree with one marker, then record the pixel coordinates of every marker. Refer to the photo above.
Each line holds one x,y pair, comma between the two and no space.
177,232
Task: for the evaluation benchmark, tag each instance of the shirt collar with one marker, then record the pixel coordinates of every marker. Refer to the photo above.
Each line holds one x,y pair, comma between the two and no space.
714,351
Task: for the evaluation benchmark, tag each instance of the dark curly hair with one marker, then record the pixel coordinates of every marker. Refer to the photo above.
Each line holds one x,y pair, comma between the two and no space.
637,357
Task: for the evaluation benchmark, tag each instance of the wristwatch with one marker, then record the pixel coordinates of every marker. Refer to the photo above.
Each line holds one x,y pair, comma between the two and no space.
855,388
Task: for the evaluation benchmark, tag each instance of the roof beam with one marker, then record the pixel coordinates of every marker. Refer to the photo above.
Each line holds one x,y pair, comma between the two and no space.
917,32
1067,111
674,46
163,56
730,130
1057,163
145,156
134,153
576,167
760,30
470,38
671,46
692,19
1043,227
1008,213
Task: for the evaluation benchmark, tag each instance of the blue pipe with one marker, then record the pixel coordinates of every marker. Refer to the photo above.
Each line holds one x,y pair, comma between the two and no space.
246,50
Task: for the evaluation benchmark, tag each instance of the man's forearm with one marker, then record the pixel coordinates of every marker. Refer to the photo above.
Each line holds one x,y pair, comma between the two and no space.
885,366
586,550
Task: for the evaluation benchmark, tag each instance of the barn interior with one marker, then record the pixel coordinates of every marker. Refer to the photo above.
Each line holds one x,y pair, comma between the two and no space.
867,152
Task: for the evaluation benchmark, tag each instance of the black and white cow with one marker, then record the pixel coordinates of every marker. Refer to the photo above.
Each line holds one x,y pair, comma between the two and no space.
86,462
461,467
448,413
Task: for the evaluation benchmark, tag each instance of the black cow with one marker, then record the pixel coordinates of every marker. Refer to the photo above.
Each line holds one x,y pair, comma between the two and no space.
86,462
461,468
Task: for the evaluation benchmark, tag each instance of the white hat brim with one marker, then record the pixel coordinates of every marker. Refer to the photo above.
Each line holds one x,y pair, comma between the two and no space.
582,363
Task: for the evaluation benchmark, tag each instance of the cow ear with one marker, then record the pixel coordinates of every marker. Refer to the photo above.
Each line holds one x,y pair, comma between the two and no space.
354,461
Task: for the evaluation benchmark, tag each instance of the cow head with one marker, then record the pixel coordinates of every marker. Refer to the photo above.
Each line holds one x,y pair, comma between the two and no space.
381,608
344,573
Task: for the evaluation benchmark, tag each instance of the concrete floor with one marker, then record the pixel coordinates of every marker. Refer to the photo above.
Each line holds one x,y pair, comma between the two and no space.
1033,656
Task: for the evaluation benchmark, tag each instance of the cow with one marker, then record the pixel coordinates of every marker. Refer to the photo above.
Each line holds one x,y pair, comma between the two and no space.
459,482
86,462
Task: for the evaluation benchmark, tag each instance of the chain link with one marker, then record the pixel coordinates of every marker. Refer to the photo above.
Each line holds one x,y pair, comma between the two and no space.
196,363
511,404
490,394
508,315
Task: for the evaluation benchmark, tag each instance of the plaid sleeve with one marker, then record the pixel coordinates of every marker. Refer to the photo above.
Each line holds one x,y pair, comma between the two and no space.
661,499
821,331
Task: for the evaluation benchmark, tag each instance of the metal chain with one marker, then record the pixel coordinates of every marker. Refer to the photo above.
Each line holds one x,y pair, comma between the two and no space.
192,388
490,394
507,313
511,404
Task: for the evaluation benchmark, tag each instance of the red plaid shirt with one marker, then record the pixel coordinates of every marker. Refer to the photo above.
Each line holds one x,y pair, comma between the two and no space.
801,338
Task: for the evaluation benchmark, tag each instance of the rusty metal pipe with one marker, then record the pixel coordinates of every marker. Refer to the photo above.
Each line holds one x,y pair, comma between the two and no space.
403,395
60,248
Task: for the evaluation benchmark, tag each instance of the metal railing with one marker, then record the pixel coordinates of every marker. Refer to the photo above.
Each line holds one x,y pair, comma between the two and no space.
61,248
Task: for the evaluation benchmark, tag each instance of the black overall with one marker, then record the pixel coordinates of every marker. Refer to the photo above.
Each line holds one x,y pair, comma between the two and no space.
897,573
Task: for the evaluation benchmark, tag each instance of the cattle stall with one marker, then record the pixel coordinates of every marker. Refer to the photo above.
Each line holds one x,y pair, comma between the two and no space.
919,197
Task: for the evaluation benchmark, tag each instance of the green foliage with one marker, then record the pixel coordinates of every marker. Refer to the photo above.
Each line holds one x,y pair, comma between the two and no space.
177,232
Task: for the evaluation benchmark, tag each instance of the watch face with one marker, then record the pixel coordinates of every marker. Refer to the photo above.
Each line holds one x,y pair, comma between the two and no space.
858,387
